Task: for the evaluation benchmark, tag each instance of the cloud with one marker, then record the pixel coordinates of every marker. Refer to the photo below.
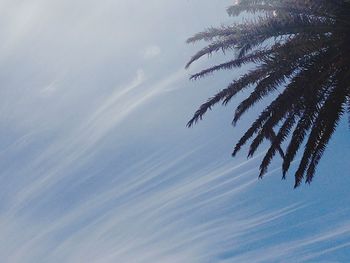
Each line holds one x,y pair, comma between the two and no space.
145,216
97,165
151,52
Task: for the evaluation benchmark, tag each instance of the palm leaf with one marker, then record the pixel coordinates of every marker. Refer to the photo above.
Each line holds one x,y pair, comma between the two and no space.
301,49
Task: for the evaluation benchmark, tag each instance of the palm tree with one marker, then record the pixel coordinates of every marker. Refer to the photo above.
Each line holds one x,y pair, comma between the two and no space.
300,56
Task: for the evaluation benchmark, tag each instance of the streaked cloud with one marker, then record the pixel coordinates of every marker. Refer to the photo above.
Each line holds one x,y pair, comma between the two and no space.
97,165
151,52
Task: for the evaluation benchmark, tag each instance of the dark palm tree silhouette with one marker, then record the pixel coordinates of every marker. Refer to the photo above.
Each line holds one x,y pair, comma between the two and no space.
300,48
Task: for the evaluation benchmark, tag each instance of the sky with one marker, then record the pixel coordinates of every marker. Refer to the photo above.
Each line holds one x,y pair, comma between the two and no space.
98,166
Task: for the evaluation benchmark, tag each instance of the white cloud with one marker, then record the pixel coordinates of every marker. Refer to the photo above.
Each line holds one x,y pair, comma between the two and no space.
151,52
80,183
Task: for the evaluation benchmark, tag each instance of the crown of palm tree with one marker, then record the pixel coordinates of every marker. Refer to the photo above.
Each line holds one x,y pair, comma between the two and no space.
299,47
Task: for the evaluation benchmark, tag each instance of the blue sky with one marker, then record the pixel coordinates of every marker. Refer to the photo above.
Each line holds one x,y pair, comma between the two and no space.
98,166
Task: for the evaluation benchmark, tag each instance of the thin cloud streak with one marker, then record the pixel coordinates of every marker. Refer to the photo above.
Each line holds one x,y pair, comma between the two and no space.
78,145
150,211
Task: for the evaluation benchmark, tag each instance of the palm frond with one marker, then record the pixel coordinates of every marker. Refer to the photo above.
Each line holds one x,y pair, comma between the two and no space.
301,49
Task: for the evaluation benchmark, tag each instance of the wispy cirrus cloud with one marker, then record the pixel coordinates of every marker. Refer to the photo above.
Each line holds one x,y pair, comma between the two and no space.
97,165
152,52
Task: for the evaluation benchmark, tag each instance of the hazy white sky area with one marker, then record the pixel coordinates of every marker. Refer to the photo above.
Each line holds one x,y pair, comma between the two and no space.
97,165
